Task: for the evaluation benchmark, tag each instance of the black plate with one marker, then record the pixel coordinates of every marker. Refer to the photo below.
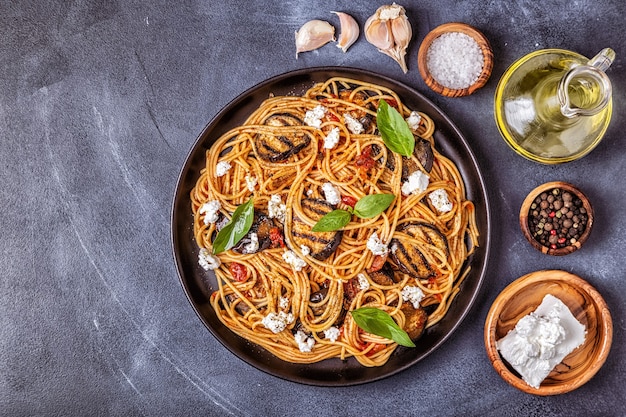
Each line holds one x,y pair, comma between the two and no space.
198,284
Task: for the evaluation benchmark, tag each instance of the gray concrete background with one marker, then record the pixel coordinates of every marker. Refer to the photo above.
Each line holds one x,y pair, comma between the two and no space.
100,103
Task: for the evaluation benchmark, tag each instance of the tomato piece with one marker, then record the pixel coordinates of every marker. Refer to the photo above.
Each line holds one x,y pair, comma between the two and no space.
350,289
365,159
392,102
332,117
348,200
378,262
276,237
375,349
238,271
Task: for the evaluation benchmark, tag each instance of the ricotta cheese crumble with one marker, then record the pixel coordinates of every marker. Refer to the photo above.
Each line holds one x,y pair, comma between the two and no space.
253,246
277,322
222,168
251,182
207,260
210,210
414,120
313,117
353,124
292,259
376,246
332,139
332,333
416,183
412,294
305,343
276,209
331,194
364,284
439,199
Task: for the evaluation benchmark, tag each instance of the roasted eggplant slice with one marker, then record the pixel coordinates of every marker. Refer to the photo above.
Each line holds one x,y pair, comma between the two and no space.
276,147
384,276
422,151
241,307
415,321
322,244
316,298
409,256
261,225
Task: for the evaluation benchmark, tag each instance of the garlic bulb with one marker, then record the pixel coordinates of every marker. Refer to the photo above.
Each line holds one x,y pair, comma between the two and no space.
349,31
389,30
314,34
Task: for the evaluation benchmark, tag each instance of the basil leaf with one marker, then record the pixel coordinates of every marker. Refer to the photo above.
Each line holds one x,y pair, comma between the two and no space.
332,221
394,130
372,205
378,322
236,228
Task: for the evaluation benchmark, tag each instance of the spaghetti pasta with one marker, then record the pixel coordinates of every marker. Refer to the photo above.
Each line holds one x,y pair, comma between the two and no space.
290,290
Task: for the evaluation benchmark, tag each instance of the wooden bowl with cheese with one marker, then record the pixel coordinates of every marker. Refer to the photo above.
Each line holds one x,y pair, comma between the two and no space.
532,296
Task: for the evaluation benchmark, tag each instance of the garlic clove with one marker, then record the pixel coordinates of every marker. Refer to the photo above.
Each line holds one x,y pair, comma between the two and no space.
377,33
389,30
349,31
402,32
314,34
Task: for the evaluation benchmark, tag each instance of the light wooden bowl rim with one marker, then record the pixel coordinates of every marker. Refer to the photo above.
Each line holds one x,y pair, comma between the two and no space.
525,208
604,320
482,42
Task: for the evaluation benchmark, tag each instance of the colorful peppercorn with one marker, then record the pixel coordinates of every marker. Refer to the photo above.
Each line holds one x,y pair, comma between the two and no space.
557,218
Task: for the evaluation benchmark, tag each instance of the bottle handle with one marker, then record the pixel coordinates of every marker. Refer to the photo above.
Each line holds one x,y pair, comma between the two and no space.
592,72
603,59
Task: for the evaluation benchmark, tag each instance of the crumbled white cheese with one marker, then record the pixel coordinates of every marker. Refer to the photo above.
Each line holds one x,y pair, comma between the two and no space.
207,260
412,294
277,322
253,246
332,139
414,120
394,248
309,192
210,210
353,124
305,250
276,209
283,303
416,183
541,340
364,284
305,343
222,168
313,117
292,259
251,182
376,246
331,193
332,333
439,199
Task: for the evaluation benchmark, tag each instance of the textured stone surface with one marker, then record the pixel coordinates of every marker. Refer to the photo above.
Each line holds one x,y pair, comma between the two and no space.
100,103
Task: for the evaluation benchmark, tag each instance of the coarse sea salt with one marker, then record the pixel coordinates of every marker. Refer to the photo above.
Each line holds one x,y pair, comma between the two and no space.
455,60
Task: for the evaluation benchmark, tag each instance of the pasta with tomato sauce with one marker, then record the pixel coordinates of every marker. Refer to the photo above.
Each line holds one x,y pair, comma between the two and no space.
302,161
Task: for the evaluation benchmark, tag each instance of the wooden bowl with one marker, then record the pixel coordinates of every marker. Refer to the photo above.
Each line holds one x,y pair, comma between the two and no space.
525,217
483,44
522,297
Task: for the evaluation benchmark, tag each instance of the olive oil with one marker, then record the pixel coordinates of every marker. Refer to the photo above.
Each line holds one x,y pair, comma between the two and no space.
545,124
